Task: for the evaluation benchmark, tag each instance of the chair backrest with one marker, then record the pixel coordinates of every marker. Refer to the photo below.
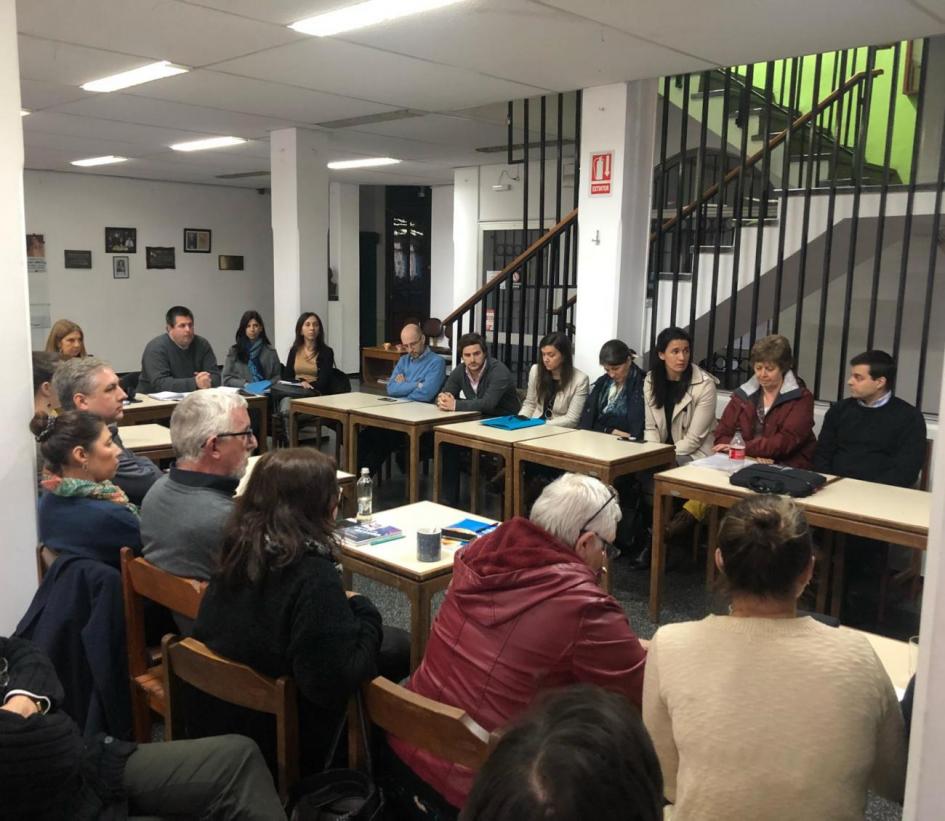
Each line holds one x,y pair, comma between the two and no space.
141,580
445,731
191,661
926,465
44,559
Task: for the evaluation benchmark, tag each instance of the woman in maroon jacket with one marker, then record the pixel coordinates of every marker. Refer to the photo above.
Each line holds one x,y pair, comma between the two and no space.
773,410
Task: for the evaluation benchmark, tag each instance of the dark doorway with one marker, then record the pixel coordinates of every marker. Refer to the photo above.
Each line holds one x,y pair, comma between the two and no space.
407,217
367,314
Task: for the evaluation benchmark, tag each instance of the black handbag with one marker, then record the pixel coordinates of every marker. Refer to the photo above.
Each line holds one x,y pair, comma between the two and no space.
778,479
339,794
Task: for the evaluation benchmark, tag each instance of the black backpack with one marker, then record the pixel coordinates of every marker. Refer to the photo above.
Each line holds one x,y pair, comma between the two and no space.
778,479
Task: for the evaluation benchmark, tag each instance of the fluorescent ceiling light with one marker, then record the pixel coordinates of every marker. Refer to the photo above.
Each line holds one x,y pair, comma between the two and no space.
211,142
369,162
24,112
108,160
365,14
135,77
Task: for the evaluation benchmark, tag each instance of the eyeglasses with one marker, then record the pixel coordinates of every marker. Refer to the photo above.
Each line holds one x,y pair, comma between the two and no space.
246,434
609,548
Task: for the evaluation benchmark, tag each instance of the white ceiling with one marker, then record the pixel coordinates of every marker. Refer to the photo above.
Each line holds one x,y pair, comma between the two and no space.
457,66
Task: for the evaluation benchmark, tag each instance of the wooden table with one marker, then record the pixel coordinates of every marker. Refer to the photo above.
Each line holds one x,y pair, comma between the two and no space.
377,363
479,437
412,418
395,564
346,481
889,514
335,408
145,409
150,440
583,451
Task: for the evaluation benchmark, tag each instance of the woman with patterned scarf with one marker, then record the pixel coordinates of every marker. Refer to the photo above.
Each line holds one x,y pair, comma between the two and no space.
80,510
252,358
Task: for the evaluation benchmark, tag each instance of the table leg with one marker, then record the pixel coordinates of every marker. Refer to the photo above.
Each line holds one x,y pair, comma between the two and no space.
508,493
339,430
352,466
437,467
839,559
413,464
712,542
657,555
518,467
293,429
263,444
474,454
419,624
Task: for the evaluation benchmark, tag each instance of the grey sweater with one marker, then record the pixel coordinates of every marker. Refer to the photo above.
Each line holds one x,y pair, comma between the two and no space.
135,473
182,521
236,373
496,395
166,367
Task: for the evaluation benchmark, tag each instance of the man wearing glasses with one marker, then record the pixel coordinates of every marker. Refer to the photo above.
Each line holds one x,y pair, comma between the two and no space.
525,612
183,514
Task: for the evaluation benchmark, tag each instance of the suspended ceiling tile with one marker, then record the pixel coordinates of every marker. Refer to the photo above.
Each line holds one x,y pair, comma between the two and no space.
36,95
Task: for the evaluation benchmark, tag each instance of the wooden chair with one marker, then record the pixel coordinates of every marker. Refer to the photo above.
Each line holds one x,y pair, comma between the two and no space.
141,580
188,660
446,732
44,560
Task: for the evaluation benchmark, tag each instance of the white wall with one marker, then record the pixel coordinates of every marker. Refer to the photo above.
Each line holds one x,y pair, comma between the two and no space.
119,316
441,251
17,470
344,257
502,206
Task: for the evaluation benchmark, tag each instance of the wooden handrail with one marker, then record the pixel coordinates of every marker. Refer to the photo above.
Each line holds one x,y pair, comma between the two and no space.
773,143
513,266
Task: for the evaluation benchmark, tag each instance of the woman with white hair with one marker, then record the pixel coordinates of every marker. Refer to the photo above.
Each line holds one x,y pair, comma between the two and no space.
524,613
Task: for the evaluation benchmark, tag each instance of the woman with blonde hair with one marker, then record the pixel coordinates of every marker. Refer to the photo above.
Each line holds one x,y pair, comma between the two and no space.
66,338
760,713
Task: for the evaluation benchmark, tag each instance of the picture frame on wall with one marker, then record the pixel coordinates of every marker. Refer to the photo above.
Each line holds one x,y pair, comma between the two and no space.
158,256
121,240
197,241
121,267
229,262
77,259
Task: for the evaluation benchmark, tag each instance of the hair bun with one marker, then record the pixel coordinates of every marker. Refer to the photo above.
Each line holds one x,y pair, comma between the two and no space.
767,519
47,429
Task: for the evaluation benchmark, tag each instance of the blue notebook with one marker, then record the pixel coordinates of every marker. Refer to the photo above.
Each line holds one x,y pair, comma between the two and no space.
512,422
257,388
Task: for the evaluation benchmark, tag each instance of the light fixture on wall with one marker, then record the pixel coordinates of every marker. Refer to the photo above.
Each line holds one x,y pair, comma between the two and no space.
500,186
108,159
210,142
365,14
367,162
135,77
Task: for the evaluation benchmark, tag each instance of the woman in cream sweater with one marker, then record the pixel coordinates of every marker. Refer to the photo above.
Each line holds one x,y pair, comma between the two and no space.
557,390
761,714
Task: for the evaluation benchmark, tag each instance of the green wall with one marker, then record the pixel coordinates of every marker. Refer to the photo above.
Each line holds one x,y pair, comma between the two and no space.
905,105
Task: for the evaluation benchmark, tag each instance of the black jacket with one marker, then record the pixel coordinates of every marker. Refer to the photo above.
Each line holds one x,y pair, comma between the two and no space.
633,421
326,363
497,395
46,770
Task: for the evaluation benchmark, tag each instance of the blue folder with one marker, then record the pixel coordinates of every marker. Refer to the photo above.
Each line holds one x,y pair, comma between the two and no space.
511,422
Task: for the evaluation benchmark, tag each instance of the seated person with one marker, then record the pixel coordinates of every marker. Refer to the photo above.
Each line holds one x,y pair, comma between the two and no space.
872,435
557,390
66,339
679,400
178,360
49,771
91,385
417,376
252,358
773,410
184,514
310,360
525,612
479,383
759,713
579,752
44,397
277,602
82,512
616,402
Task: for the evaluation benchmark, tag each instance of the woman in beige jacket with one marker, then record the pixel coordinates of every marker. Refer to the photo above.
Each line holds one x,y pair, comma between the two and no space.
557,390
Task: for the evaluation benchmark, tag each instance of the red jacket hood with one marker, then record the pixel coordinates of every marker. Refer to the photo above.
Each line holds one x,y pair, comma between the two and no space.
511,569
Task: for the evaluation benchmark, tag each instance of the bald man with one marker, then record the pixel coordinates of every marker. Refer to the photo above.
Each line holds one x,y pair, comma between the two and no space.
418,376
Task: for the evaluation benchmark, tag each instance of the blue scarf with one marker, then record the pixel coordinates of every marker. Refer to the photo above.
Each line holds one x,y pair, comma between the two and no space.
253,349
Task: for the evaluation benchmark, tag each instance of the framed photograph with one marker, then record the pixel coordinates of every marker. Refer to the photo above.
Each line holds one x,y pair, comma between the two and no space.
78,259
35,253
227,262
913,68
196,241
121,240
121,267
159,257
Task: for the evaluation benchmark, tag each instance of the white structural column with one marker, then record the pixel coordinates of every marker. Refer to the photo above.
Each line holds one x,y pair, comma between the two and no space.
17,470
344,255
299,230
441,252
465,234
614,228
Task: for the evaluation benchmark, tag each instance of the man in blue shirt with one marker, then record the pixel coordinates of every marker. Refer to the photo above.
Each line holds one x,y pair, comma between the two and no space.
417,376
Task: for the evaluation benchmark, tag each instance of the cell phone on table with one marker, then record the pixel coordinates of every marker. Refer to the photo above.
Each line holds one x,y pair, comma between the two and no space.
386,399
626,439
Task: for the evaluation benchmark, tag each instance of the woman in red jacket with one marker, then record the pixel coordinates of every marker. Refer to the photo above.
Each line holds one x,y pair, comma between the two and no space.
773,410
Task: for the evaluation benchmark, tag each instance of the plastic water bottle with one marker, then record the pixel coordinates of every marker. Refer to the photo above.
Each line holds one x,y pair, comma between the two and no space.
365,496
736,448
